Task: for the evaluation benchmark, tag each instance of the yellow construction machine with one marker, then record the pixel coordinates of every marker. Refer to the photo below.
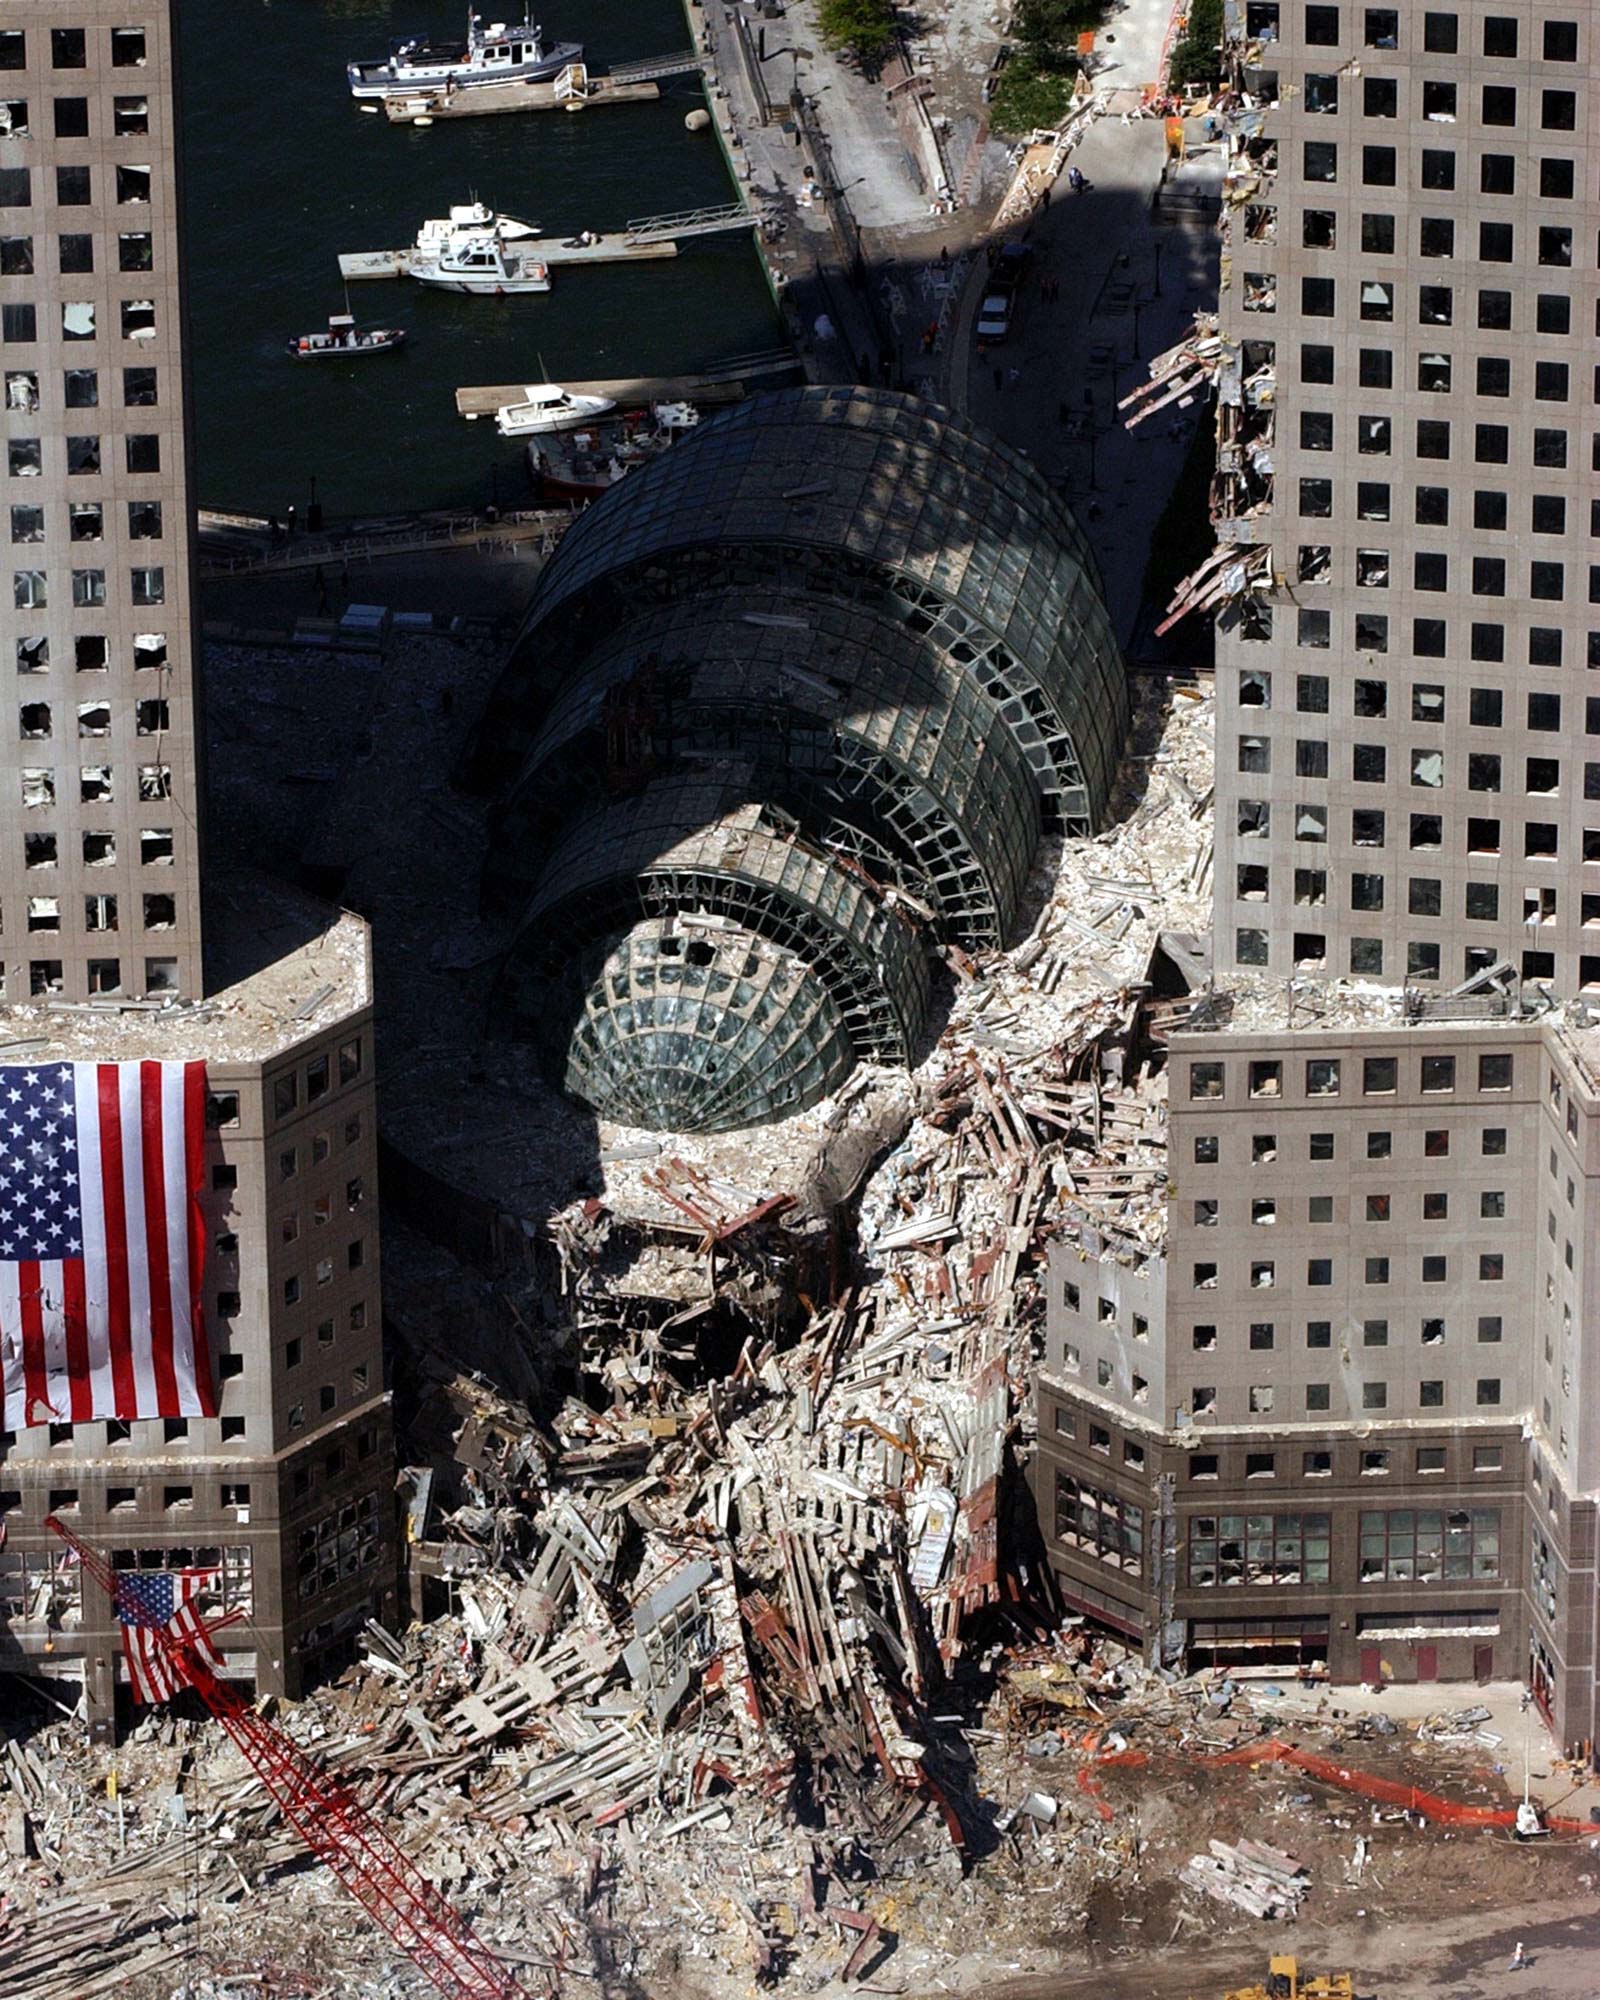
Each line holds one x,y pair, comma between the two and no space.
1284,1983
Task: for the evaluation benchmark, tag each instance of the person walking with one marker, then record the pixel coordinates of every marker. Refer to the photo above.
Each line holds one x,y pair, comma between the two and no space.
997,381
1519,1958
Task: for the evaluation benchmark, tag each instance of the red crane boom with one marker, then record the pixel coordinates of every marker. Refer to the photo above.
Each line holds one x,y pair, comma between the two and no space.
336,1826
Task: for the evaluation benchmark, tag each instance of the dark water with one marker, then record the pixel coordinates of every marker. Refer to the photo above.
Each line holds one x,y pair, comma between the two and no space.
283,173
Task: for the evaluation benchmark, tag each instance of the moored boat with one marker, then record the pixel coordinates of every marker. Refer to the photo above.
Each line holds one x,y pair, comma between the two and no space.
548,407
496,53
480,261
344,339
577,466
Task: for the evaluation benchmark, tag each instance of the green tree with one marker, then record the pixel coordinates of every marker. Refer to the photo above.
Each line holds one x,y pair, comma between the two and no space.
1196,58
1048,30
1026,97
865,27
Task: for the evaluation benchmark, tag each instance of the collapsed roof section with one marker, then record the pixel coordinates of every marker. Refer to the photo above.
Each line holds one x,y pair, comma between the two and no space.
790,706
865,495
880,744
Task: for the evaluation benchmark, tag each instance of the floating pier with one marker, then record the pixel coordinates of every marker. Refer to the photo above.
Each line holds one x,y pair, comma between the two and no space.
575,89
608,250
727,384
647,236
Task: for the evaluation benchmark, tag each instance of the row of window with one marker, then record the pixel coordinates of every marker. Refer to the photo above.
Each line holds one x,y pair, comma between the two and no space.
1480,901
1432,1332
96,785
225,1174
1319,296
36,722
1375,1461
175,1499
80,320
1424,960
1430,637
1432,439
1400,1545
320,1075
1498,108
100,913
1324,27
1375,569
47,977
75,254
1103,1525
1379,1145
85,521
71,48
1310,822
1369,699
91,653
71,117
80,387
98,849
1432,1269
84,455
1261,1400
1439,99
1380,1075
74,186
1433,1206
147,586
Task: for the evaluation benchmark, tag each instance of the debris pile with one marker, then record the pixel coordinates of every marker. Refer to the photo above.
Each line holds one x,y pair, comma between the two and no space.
1261,1881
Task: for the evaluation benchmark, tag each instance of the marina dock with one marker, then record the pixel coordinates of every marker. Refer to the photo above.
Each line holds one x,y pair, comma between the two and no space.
614,249
575,89
646,237
725,385
484,102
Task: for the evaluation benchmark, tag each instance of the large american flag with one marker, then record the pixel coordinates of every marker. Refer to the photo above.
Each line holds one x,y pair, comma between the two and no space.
102,1242
155,1607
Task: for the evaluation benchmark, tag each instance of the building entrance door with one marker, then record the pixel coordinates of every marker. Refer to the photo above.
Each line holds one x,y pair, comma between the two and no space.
1483,1665
1427,1663
1371,1665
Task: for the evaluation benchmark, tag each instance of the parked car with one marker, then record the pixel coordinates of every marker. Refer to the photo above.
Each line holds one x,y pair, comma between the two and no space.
994,318
1011,266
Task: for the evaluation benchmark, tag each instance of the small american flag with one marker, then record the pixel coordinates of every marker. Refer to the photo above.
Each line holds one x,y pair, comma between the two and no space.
102,1242
155,1607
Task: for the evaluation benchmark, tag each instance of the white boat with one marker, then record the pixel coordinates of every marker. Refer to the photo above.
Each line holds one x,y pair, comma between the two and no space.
549,407
501,52
470,219
480,261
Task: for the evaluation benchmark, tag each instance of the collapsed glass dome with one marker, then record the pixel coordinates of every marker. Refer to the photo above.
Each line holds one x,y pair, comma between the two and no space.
863,495
786,715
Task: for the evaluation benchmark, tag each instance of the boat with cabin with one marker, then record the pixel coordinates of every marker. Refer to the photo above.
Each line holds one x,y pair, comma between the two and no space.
471,218
492,53
344,339
576,466
480,261
548,407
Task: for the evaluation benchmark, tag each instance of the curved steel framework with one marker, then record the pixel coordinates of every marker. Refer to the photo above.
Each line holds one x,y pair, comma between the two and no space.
873,496
695,845
879,746
826,666
691,1025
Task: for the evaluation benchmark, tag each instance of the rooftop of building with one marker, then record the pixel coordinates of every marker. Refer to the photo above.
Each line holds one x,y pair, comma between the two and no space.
281,967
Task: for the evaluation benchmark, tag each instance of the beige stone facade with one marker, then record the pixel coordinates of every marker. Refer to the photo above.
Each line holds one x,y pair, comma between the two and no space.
288,1491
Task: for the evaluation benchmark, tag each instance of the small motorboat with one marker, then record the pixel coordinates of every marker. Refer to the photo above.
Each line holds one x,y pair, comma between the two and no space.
549,407
501,52
579,465
343,339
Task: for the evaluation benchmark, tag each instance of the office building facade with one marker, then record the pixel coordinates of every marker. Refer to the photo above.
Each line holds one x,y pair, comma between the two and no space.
1338,1417
284,1497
